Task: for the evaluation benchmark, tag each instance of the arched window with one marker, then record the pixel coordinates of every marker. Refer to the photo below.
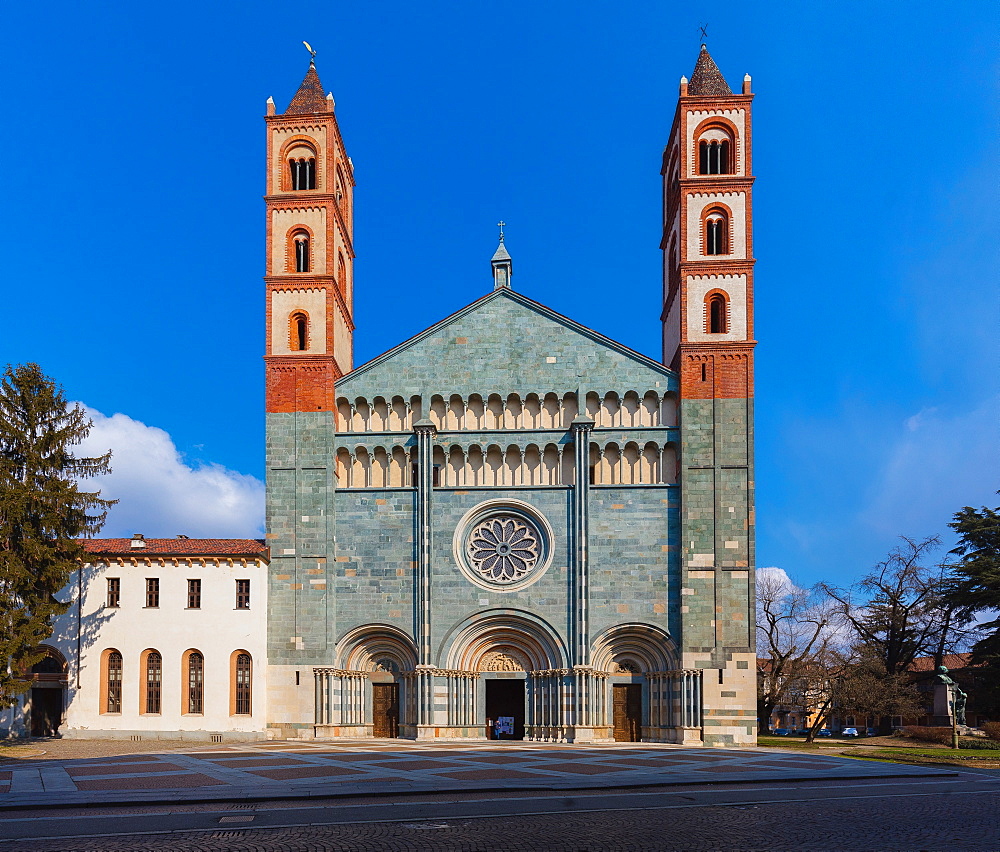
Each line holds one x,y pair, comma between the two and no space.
194,686
714,157
716,233
241,684
113,683
298,332
300,243
302,171
341,272
152,682
718,321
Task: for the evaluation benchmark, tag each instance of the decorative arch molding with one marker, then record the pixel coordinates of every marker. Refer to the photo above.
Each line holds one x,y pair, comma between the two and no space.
517,635
298,147
645,645
296,235
718,122
369,647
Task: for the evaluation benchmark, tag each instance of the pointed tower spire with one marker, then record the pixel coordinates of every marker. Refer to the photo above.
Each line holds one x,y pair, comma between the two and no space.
707,79
309,98
501,263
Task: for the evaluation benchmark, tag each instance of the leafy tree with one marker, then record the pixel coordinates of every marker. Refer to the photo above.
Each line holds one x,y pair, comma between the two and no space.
43,513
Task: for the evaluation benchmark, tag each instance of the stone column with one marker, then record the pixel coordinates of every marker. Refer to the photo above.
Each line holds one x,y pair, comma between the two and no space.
424,682
580,652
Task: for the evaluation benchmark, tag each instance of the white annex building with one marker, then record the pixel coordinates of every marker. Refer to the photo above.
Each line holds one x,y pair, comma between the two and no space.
164,636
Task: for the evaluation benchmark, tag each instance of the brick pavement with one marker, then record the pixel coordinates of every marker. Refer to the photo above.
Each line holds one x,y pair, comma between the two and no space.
312,769
949,824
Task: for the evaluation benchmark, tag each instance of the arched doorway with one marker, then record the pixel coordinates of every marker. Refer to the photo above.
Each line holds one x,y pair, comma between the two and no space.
48,694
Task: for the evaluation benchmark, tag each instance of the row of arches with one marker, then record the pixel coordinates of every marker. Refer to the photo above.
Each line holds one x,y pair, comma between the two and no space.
475,645
494,466
506,663
193,682
653,409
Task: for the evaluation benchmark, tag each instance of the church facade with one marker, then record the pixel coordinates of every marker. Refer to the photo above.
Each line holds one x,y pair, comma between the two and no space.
511,526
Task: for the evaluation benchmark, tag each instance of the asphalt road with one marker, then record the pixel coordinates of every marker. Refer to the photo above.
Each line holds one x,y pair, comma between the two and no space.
954,813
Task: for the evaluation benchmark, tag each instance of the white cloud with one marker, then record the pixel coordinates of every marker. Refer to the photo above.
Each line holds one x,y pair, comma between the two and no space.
770,574
160,495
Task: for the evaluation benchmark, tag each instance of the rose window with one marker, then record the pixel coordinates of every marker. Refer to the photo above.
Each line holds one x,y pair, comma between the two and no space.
504,549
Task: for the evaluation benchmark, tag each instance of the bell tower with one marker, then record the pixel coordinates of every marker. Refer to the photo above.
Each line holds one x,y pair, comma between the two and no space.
309,253
708,339
309,337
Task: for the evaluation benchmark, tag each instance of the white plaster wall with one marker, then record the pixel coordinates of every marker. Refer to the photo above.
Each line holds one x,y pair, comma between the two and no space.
284,303
342,348
279,135
735,201
736,116
283,221
216,630
735,286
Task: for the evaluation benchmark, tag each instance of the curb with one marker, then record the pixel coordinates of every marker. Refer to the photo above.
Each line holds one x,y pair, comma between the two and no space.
152,797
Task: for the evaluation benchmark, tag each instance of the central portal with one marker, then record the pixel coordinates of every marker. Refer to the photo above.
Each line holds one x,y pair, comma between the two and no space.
505,700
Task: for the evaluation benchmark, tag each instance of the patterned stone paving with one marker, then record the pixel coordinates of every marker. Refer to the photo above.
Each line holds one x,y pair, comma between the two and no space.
303,769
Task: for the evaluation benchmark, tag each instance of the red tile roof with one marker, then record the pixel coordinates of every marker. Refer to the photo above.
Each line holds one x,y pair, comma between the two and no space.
309,98
951,661
707,79
178,547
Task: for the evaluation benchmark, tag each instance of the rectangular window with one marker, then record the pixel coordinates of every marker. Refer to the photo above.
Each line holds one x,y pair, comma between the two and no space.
114,592
152,592
243,594
194,594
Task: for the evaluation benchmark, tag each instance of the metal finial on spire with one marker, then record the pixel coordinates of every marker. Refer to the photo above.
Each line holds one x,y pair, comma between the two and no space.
704,32
312,53
501,263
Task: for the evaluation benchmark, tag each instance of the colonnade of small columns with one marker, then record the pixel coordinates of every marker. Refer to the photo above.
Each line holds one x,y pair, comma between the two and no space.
477,413
493,466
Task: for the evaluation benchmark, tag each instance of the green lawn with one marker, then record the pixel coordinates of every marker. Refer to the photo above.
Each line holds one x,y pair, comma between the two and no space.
800,743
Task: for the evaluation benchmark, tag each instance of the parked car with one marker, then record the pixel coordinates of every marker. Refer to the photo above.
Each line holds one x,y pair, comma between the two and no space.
872,732
824,732
849,732
780,732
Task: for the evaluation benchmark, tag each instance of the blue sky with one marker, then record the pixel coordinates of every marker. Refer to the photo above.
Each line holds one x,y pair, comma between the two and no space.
132,227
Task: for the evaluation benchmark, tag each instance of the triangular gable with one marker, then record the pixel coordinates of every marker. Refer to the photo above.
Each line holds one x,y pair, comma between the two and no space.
506,343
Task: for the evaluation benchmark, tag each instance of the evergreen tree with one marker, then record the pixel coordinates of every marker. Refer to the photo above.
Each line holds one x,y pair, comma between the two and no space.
976,589
43,513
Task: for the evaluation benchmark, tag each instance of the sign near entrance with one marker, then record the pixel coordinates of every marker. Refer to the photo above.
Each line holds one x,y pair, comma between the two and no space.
505,725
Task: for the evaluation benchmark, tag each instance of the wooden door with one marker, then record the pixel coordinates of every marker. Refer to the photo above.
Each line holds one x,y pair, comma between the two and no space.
627,716
385,709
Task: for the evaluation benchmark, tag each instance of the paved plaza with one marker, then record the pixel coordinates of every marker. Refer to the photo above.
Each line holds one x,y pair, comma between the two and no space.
271,770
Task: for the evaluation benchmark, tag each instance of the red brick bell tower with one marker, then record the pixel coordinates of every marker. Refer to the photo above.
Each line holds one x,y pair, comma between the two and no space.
309,252
708,238
708,339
